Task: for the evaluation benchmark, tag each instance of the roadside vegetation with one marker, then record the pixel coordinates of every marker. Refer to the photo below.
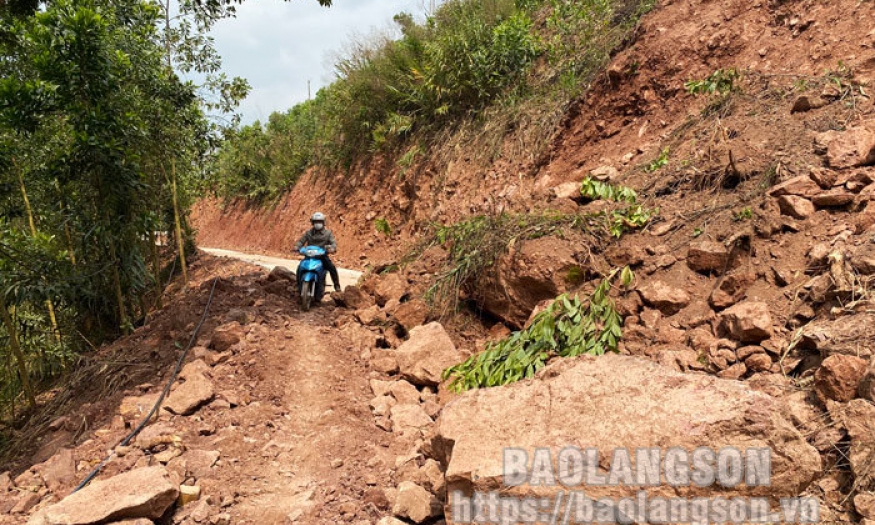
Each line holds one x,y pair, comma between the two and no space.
472,71
476,244
100,143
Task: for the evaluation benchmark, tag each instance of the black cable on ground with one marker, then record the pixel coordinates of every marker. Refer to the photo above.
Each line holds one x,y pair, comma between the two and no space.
164,393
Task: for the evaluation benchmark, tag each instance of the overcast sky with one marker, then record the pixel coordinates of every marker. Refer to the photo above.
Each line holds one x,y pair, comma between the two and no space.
277,46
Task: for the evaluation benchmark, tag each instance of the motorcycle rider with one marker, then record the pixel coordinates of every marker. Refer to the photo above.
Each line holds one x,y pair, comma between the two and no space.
322,237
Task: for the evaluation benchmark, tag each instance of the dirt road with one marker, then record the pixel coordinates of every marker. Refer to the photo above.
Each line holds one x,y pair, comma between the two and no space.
285,434
347,277
301,446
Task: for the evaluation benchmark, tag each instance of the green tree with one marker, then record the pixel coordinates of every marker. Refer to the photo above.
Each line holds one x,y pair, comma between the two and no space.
93,126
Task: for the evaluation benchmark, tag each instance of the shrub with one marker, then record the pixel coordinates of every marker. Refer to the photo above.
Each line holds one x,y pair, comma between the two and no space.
469,57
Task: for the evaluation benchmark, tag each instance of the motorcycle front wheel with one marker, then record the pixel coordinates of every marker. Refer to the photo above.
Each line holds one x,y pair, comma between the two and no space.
306,295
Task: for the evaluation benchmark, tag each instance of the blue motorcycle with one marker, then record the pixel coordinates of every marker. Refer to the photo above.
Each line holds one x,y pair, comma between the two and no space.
311,276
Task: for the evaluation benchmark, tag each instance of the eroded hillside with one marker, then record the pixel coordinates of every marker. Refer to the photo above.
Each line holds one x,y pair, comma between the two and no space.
746,131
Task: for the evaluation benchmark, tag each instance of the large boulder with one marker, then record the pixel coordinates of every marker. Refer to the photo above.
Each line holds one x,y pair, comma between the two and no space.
141,493
423,358
616,402
533,271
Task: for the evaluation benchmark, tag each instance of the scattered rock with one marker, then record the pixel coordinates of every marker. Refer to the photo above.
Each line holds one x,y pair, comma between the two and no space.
156,434
382,405
226,336
415,503
141,493
403,392
280,273
187,494
237,315
136,407
864,503
758,362
862,259
390,286
823,177
805,103
59,471
197,463
355,298
388,520
665,298
379,387
26,501
852,335
604,174
370,316
731,289
867,383
6,483
833,198
409,417
858,418
189,396
385,363
748,322
567,190
850,148
801,186
707,257
423,357
605,395
412,313
795,206
734,371
838,377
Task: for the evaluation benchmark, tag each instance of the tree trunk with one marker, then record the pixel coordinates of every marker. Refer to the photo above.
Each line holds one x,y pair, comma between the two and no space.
119,295
17,353
70,251
176,219
156,267
49,306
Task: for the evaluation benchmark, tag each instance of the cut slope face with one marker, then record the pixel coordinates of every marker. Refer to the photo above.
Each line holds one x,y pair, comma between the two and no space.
783,49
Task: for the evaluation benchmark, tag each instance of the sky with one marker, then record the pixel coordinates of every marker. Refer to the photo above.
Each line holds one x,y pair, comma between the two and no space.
277,46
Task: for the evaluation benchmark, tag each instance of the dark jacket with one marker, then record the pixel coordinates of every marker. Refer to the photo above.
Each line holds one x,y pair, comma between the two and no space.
322,238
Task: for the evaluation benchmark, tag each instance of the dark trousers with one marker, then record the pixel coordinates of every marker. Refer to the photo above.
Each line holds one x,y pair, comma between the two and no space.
331,269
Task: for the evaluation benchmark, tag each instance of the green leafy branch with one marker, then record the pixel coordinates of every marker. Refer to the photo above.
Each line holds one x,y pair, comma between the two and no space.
720,82
594,189
569,327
